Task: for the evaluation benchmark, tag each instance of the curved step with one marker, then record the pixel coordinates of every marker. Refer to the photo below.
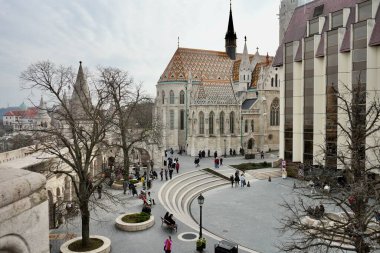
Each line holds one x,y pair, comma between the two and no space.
170,188
179,194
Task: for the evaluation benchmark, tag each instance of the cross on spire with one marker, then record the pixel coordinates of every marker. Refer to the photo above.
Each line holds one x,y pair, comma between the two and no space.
178,42
257,48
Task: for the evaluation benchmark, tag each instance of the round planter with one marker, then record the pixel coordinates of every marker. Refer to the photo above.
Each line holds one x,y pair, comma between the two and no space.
105,248
130,227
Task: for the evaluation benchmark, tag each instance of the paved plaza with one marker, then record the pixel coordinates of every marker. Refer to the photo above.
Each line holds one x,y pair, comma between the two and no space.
247,216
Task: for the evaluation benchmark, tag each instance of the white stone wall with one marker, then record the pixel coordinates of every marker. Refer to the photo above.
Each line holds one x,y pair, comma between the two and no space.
23,212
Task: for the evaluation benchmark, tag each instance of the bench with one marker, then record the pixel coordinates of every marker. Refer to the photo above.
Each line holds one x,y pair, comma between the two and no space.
171,226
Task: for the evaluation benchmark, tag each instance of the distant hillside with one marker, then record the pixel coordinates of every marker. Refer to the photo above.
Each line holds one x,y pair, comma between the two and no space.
7,109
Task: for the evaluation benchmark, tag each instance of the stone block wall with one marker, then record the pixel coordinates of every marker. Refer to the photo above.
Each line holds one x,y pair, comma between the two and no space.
23,212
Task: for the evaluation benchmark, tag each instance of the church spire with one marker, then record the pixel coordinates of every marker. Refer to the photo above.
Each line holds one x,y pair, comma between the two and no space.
245,58
80,98
230,37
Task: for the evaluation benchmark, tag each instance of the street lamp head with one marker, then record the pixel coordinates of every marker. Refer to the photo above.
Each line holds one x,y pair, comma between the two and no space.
201,199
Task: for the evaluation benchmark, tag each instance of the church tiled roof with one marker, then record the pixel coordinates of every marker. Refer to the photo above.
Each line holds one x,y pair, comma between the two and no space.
214,93
203,64
260,69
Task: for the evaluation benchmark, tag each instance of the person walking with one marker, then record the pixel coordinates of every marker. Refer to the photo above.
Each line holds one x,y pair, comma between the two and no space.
177,167
171,172
125,186
216,162
242,180
232,181
168,244
99,190
221,161
166,174
162,174
237,179
196,162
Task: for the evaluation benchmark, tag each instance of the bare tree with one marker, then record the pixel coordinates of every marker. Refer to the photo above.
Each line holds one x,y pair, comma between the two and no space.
352,222
133,121
78,131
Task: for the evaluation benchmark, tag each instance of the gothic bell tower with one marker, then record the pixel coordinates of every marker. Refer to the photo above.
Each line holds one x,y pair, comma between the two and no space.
230,38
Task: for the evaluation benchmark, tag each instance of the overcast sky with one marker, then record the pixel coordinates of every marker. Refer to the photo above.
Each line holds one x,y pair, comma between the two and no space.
135,35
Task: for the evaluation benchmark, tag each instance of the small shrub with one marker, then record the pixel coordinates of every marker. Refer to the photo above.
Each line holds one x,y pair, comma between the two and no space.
136,217
94,244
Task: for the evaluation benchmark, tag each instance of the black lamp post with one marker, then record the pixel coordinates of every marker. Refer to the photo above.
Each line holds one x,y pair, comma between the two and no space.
201,200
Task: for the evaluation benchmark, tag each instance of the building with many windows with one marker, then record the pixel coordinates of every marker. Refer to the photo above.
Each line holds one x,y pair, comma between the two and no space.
219,101
27,118
327,46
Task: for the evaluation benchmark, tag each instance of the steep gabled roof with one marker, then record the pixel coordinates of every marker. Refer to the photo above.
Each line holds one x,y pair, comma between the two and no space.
247,104
217,93
203,64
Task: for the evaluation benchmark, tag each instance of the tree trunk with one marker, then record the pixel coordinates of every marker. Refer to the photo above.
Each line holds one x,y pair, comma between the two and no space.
126,161
85,214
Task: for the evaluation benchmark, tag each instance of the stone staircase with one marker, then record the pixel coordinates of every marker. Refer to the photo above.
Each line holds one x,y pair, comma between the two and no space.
177,195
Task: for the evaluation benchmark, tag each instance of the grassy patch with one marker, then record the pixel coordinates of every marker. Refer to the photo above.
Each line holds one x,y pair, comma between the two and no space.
252,166
136,217
94,244
216,173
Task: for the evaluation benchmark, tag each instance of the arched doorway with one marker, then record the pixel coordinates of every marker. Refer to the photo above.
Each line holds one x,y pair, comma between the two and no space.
251,144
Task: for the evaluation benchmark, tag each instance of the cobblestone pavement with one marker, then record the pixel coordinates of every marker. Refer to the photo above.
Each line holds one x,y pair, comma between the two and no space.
245,215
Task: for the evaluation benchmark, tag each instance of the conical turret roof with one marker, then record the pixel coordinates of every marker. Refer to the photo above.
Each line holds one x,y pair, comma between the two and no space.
80,98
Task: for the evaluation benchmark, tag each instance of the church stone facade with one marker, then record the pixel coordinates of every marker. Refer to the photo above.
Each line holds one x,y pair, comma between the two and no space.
217,101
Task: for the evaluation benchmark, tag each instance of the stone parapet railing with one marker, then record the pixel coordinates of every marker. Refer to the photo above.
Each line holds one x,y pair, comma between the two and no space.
24,214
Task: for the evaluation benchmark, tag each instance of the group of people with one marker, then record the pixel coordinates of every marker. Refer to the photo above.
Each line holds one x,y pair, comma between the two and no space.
316,212
148,201
169,219
238,179
218,161
170,165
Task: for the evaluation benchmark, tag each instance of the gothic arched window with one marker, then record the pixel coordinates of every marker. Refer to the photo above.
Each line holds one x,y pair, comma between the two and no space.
211,123
271,82
201,123
246,126
232,122
163,97
276,80
275,113
221,123
182,120
171,120
171,99
252,126
182,97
